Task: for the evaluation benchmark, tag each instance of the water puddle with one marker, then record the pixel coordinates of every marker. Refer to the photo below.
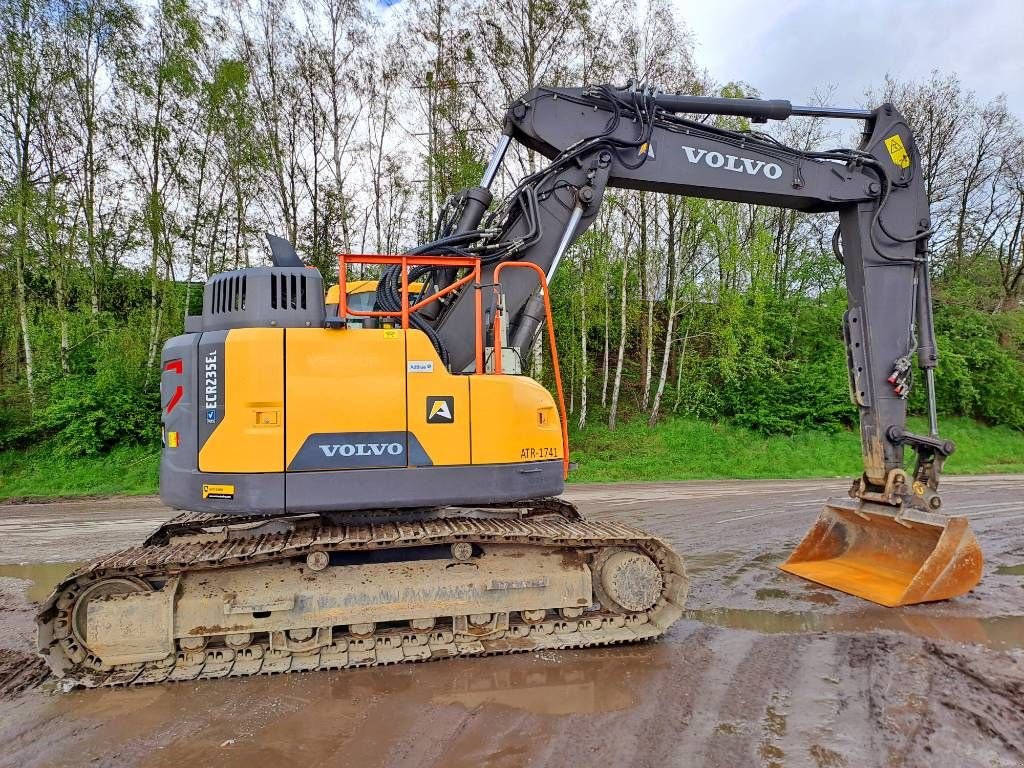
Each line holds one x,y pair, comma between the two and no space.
541,691
42,577
1000,632
560,686
1011,570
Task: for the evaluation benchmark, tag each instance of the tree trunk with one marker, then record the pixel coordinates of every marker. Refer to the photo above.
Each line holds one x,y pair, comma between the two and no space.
22,243
679,362
648,354
604,365
617,386
583,354
62,320
155,228
667,352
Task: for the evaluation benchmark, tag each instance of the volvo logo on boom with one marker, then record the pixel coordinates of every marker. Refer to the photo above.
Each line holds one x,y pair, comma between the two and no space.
735,163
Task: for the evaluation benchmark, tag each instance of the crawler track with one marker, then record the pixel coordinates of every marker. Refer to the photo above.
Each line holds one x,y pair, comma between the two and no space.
218,548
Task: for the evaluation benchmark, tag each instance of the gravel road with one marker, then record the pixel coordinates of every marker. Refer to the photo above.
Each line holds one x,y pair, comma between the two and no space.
764,670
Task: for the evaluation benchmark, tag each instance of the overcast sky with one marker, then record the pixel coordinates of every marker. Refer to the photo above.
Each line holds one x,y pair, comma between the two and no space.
787,48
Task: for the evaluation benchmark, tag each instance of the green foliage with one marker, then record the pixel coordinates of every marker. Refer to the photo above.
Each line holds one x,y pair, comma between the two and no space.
37,473
677,449
110,400
977,375
88,415
148,145
688,449
776,366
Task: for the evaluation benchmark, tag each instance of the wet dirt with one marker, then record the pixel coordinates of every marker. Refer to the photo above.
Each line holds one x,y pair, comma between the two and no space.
764,670
1001,632
40,577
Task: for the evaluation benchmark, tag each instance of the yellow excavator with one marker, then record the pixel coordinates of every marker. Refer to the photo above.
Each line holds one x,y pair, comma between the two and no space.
366,477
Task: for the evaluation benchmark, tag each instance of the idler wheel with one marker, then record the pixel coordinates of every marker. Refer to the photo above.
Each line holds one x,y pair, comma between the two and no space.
97,590
630,581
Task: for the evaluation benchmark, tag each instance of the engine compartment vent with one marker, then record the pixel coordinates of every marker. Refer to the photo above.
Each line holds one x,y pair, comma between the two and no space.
261,297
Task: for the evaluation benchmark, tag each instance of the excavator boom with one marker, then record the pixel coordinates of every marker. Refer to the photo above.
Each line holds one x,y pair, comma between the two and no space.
601,137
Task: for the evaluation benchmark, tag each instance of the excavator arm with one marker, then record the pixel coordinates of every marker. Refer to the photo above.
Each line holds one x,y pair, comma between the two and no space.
601,137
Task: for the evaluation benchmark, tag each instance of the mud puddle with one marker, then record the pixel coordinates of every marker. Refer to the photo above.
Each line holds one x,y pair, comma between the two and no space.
1010,570
998,632
557,688
377,716
42,577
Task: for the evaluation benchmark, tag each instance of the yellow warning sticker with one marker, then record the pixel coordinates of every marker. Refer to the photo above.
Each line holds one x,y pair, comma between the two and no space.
390,333
218,491
897,151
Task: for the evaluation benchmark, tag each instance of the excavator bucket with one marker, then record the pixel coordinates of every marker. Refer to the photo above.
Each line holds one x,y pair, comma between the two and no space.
864,550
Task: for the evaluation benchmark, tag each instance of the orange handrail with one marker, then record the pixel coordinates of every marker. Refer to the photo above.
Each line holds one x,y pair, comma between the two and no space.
406,261
543,280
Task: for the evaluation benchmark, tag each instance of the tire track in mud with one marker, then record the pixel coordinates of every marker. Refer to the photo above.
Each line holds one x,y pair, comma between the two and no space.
20,671
20,668
930,701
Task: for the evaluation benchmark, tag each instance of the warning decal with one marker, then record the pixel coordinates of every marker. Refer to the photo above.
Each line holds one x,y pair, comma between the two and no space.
218,491
897,151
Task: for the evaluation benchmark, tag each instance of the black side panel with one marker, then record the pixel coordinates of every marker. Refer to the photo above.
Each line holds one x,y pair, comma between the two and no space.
247,494
363,489
359,450
201,364
178,403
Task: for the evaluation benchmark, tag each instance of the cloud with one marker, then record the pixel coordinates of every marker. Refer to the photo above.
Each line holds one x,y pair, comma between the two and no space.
789,48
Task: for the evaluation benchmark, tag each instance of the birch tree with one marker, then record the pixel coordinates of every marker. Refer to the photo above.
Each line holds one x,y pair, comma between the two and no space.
23,76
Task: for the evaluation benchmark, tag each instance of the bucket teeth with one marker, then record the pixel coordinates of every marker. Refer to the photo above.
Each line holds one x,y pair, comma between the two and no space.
866,550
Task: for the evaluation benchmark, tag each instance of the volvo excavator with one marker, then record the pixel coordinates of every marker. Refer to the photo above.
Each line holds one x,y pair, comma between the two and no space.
366,477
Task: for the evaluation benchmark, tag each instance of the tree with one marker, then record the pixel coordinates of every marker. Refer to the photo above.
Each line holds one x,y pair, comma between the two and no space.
24,85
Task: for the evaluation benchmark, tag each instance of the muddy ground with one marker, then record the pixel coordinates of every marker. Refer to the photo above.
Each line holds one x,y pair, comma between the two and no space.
765,670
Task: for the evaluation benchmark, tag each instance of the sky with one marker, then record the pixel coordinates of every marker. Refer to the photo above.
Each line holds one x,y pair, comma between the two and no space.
788,48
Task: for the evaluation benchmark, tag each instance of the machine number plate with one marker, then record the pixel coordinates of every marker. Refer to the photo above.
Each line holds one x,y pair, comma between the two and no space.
543,452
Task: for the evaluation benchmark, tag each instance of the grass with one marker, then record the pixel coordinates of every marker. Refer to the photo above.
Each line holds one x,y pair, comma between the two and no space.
38,474
677,449
687,449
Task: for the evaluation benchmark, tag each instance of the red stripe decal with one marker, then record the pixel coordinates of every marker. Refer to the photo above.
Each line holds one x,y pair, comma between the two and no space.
178,392
174,365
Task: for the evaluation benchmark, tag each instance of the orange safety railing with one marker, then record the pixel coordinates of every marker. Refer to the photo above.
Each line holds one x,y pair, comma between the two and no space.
543,280
406,261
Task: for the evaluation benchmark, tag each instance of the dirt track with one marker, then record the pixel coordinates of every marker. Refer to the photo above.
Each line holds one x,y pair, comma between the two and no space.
765,670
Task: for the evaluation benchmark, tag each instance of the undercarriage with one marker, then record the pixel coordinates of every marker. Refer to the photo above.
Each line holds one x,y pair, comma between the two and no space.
210,596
